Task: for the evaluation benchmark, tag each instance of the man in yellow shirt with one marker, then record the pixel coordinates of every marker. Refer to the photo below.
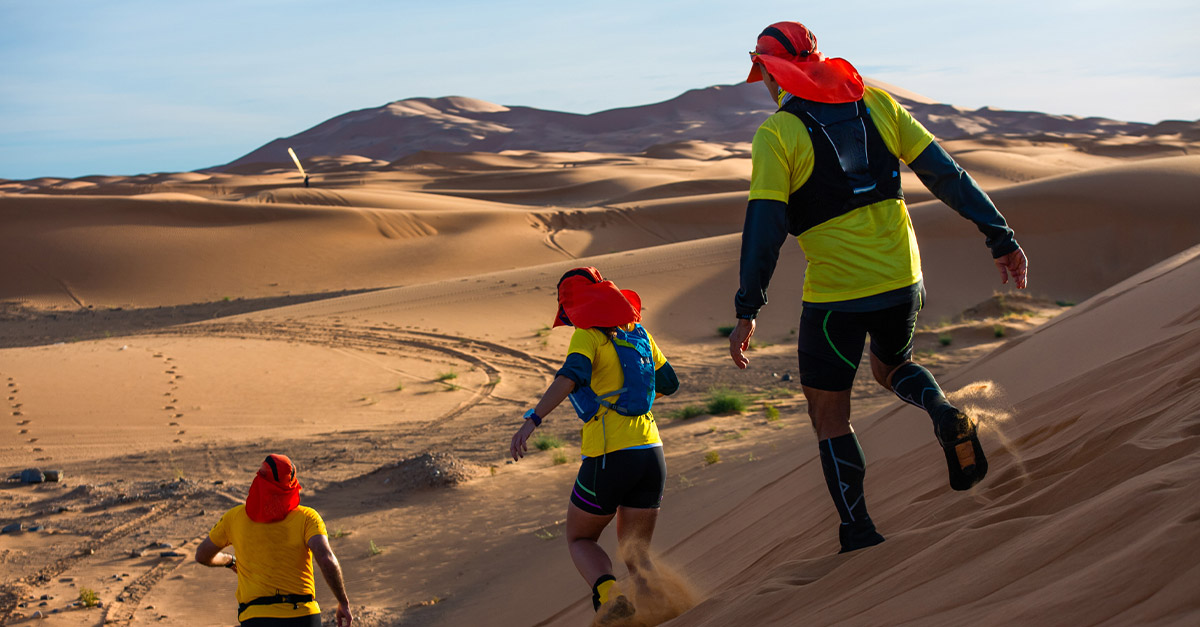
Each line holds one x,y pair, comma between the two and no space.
826,169
276,540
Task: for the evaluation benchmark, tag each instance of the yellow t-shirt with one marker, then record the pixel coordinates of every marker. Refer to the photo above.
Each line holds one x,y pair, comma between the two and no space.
868,251
610,431
272,558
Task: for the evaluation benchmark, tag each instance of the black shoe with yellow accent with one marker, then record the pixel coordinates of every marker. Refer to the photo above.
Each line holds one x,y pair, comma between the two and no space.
959,437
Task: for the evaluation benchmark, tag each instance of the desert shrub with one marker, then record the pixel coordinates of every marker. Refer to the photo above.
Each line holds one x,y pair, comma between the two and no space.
545,442
725,401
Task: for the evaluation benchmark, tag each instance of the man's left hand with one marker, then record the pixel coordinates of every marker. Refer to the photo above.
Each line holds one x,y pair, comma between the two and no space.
739,342
1013,264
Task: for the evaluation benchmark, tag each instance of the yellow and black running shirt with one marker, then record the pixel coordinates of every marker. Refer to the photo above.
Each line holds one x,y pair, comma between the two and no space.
868,251
610,431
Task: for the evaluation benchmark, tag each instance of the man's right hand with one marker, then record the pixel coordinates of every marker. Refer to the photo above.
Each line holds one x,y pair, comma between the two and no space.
739,342
1013,264
344,617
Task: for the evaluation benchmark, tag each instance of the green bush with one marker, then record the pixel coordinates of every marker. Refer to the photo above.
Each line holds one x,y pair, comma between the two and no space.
712,457
88,597
771,412
725,401
446,376
560,457
545,442
725,331
945,339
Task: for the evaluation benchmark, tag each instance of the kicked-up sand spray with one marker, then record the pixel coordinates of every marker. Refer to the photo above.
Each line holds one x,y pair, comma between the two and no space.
984,401
656,592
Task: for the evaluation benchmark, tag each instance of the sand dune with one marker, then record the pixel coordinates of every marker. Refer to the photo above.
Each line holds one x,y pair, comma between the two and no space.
160,332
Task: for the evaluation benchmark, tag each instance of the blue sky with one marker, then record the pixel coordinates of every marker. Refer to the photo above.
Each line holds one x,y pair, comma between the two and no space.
128,87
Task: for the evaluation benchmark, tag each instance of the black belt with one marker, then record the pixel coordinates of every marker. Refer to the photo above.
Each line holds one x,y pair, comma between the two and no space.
294,599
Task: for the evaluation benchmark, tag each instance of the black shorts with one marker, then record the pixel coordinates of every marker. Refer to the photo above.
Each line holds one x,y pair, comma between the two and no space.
625,478
831,342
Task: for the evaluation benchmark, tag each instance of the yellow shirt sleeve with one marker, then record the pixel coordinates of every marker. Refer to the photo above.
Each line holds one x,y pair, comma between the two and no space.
220,531
313,524
905,136
770,174
659,358
585,342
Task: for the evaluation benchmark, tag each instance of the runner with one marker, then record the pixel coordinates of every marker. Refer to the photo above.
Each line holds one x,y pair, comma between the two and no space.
612,374
276,539
826,169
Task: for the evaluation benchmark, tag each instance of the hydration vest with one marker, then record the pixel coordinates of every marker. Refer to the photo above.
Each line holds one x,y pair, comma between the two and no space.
852,166
637,394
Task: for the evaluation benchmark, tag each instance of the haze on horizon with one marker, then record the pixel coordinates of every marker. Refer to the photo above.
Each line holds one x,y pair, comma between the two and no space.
140,86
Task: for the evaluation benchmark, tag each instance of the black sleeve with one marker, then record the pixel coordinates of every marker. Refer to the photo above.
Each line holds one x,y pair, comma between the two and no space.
578,369
665,380
953,186
763,234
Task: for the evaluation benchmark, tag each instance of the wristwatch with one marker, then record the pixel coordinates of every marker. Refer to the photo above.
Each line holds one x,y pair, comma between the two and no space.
532,415
743,316
232,562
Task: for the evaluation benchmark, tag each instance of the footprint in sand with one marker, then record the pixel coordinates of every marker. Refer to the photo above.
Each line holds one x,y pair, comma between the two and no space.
33,439
17,413
23,422
181,432
172,424
24,431
168,407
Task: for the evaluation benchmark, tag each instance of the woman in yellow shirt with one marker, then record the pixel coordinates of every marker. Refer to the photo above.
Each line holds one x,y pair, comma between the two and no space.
612,373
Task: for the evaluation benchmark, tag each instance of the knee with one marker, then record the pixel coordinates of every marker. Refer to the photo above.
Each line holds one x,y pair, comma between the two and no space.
883,372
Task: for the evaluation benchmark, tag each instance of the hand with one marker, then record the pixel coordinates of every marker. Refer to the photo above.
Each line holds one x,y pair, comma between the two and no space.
518,446
1014,264
739,342
343,616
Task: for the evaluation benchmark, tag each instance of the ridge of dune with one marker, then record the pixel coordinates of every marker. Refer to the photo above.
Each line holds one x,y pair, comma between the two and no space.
719,114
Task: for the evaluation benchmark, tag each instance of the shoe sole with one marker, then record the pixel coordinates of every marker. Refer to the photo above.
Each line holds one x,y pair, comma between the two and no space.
964,454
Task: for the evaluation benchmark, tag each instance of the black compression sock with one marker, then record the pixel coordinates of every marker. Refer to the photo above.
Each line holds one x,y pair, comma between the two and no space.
845,466
915,385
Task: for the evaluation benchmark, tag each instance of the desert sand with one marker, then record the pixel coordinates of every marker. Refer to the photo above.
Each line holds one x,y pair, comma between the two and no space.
387,326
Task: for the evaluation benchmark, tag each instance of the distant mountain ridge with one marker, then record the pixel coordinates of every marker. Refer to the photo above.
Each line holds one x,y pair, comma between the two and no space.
722,113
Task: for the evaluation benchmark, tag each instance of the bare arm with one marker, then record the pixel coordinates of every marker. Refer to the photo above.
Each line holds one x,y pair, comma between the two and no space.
558,391
209,554
328,563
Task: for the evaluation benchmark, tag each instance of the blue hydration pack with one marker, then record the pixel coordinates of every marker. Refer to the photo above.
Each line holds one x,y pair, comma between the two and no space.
637,364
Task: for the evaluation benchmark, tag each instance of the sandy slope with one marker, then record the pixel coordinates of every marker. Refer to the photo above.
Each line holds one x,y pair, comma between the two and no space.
1087,517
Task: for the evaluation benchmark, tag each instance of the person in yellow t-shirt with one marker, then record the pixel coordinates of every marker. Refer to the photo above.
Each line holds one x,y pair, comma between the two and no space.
276,540
825,168
612,373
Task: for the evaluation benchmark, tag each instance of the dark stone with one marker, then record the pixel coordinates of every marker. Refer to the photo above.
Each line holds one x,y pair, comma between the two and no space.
13,528
36,527
32,475
171,554
54,475
787,376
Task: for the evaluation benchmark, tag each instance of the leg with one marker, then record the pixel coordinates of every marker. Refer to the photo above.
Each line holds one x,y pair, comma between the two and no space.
891,351
830,346
583,535
635,526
